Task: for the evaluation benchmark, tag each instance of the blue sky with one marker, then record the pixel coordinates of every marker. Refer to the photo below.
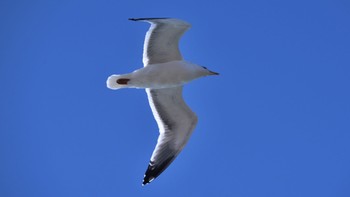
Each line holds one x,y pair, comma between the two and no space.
276,122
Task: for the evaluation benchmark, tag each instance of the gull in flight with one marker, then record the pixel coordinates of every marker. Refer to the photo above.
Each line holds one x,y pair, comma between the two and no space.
164,74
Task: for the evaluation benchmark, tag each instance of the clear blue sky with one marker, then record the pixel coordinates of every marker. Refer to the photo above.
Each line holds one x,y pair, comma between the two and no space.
275,123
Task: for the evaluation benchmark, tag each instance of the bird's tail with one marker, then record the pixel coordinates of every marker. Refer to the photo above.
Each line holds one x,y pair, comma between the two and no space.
115,82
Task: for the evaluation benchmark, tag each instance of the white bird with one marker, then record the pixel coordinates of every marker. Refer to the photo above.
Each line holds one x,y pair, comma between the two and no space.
163,76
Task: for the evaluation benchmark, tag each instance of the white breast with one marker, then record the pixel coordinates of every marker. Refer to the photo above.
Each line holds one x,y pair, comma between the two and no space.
164,75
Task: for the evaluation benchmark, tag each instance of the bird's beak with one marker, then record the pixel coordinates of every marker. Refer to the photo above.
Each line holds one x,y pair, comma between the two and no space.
213,73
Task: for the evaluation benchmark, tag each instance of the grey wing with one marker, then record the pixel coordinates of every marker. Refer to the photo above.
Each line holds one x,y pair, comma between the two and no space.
162,40
176,122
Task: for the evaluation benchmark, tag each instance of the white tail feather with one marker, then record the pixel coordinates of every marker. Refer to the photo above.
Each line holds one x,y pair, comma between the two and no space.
112,82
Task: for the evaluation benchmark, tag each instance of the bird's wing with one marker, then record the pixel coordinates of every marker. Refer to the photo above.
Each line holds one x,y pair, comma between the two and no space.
162,40
176,122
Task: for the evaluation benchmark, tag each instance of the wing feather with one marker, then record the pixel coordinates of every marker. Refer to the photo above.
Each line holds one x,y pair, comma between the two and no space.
176,122
162,40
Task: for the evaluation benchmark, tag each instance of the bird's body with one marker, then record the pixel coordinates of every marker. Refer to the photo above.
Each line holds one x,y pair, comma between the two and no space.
156,76
163,76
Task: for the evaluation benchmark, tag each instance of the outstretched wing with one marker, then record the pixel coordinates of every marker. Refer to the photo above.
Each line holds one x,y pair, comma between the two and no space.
162,39
176,122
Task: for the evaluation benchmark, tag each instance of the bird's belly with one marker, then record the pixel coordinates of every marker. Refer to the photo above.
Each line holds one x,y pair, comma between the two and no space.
164,75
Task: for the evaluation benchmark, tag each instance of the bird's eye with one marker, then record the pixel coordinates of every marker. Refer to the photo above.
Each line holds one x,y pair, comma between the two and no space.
204,67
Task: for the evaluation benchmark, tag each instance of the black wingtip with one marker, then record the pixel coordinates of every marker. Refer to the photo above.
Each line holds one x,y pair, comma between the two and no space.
144,19
153,171
145,182
150,174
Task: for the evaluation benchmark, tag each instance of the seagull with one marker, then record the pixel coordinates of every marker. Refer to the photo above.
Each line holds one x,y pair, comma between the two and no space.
163,76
